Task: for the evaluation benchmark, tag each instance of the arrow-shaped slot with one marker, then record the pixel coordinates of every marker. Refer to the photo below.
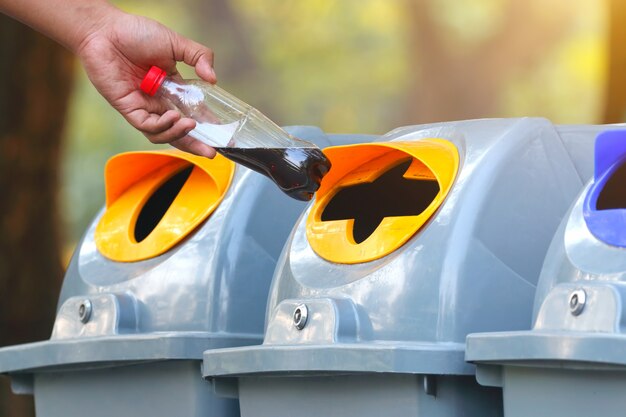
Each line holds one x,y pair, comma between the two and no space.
389,195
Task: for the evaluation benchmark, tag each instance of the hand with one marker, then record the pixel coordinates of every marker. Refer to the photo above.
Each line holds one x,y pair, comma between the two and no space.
117,54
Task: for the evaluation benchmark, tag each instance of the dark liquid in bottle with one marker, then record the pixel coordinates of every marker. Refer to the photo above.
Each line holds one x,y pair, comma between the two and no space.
297,171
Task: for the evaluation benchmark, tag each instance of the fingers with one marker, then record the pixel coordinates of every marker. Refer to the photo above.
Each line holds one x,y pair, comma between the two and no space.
196,55
189,144
156,125
170,128
176,131
163,128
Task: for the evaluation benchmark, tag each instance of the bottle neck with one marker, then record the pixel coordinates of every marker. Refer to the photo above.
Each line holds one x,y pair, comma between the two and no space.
167,87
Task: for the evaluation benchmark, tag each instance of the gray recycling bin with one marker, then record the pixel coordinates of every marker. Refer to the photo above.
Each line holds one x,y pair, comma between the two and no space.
178,263
413,242
572,362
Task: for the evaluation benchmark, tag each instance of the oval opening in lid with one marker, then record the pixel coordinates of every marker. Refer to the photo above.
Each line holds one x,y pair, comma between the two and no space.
604,207
156,199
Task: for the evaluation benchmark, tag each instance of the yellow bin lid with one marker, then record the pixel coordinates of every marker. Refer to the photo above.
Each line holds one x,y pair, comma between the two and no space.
154,199
377,196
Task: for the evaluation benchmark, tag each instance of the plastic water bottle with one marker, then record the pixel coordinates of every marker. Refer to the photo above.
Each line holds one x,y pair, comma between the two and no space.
242,133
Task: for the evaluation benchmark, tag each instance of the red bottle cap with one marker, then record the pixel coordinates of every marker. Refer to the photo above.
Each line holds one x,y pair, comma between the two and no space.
153,80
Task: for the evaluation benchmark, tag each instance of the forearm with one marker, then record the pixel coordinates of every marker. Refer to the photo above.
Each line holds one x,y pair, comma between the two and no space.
69,22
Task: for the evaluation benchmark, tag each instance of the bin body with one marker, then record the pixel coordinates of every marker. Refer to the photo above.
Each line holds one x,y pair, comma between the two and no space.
129,334
571,362
386,335
547,392
363,396
165,388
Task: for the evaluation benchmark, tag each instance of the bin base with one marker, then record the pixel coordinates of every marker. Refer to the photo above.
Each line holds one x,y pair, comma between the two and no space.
157,389
366,395
545,392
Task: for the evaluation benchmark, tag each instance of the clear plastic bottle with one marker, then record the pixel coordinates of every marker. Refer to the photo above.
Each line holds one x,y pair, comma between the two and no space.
242,133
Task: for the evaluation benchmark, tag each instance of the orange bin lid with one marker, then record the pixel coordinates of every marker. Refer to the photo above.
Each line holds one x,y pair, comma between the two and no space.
430,160
132,178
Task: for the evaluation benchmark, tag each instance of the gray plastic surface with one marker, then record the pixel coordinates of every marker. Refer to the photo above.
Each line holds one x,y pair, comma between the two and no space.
386,336
576,260
548,392
162,389
190,287
473,267
366,395
185,294
573,360
140,351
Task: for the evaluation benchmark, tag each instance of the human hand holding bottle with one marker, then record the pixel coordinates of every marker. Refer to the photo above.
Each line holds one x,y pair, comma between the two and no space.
117,49
242,133
116,58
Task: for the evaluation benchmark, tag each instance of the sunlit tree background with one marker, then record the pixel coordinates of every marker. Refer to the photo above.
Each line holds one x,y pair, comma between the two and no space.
363,66
347,66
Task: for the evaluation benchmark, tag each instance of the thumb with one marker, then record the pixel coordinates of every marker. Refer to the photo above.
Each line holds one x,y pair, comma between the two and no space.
196,55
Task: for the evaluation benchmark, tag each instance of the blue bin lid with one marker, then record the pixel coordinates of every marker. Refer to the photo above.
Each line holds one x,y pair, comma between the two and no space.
607,224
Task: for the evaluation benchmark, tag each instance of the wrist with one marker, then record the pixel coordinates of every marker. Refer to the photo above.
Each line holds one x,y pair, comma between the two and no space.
93,18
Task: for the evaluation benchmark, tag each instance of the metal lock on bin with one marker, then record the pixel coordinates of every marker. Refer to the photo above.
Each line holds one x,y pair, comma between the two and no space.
571,363
178,263
414,241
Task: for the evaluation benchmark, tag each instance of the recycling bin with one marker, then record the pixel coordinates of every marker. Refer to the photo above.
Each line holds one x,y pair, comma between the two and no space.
178,263
572,361
413,242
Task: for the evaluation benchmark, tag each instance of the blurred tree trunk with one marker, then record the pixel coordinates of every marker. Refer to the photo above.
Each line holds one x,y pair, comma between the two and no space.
615,101
454,84
35,75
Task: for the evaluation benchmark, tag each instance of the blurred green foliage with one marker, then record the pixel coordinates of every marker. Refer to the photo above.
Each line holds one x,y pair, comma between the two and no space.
340,64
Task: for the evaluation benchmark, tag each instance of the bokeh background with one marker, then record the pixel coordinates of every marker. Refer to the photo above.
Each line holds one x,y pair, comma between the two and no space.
348,66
